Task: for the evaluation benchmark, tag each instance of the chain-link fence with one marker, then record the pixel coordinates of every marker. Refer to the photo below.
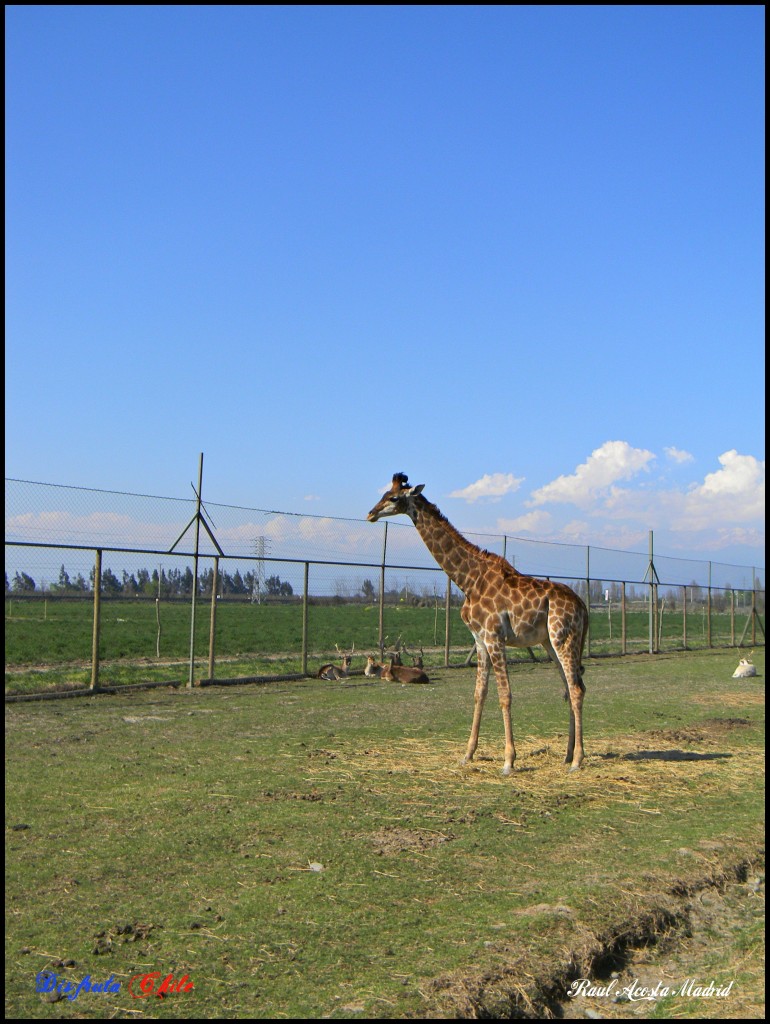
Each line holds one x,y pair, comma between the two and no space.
270,593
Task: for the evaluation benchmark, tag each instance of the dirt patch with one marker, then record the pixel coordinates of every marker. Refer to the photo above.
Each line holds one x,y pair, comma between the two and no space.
731,700
712,728
393,840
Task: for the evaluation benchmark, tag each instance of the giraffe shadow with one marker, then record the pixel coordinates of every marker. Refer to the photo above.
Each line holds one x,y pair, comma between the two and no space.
664,755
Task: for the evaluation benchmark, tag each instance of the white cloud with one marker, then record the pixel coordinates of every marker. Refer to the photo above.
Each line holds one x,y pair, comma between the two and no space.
733,494
614,460
621,536
532,522
678,455
741,476
97,528
727,508
491,485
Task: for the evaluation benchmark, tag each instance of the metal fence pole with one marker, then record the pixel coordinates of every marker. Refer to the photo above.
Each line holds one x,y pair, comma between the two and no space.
623,619
652,618
732,618
708,612
588,599
305,590
684,617
97,619
190,680
448,633
213,622
381,625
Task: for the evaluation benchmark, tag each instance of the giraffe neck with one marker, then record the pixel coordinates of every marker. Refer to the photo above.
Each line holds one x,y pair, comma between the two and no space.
461,561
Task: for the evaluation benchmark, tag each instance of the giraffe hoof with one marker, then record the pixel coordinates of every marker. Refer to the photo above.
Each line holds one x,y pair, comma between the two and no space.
507,769
575,767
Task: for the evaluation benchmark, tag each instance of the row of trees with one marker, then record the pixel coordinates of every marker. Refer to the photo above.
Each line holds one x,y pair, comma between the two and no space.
143,583
179,583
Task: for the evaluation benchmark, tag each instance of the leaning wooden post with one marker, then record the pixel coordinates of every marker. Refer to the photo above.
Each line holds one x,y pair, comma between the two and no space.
97,620
213,620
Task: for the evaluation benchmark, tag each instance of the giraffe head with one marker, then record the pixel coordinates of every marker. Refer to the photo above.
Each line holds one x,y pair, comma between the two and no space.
397,500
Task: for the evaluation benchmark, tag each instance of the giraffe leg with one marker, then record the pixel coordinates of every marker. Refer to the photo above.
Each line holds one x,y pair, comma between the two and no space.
479,696
568,663
575,690
571,740
497,657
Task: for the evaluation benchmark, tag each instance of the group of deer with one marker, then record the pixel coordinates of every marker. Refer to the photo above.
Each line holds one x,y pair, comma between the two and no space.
392,671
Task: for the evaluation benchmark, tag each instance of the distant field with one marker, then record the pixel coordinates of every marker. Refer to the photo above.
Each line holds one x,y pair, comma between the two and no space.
48,642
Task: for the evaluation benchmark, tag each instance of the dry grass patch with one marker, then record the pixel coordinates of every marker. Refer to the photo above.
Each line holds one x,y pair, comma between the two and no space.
729,699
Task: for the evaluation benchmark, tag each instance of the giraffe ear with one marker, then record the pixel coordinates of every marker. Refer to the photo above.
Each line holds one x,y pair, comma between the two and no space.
417,489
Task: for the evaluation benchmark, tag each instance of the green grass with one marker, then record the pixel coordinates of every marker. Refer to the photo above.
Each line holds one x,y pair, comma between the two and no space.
195,816
48,643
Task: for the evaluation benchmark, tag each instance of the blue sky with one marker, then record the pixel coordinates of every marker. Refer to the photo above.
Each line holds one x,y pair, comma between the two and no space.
515,252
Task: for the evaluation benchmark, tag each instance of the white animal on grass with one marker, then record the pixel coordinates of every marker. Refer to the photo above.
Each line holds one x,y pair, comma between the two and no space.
745,669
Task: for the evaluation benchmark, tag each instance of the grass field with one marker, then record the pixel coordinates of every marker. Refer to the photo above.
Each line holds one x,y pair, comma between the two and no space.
48,643
315,849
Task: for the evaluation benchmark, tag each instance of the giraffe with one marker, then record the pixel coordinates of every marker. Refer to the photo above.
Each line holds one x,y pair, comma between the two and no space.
502,606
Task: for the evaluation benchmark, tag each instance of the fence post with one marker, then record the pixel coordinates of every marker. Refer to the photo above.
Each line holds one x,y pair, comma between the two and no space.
732,618
588,599
213,622
304,618
708,611
653,610
448,633
684,617
381,624
623,618
97,619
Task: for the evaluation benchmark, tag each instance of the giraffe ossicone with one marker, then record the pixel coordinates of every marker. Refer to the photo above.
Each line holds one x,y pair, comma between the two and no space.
502,607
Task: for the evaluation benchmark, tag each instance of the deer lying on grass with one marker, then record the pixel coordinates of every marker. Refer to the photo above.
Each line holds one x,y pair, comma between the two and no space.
417,661
373,670
394,673
395,654
335,672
